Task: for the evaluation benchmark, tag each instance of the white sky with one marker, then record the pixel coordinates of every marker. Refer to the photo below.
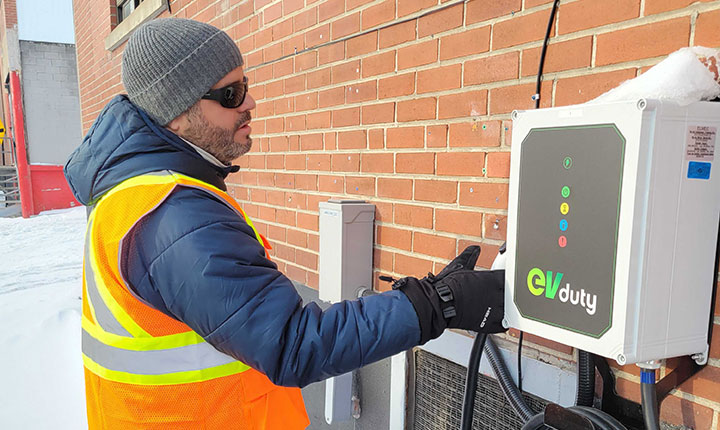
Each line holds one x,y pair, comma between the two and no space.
45,21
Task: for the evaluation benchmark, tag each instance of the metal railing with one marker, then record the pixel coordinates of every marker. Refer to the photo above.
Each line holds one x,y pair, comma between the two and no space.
7,151
9,190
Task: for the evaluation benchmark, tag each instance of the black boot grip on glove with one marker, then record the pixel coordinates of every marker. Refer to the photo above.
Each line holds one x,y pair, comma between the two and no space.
457,297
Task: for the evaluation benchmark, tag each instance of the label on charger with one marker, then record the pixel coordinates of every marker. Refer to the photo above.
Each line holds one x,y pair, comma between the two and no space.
698,170
700,144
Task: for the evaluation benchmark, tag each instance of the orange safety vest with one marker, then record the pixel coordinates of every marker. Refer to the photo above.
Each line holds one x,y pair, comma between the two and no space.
146,370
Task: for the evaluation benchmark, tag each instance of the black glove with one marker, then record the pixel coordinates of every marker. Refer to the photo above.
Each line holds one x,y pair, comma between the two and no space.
457,297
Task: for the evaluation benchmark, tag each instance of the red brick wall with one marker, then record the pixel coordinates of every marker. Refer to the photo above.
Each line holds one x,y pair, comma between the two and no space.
414,117
10,11
98,69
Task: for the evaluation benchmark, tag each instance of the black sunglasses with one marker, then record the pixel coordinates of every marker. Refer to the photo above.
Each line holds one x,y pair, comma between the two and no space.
230,96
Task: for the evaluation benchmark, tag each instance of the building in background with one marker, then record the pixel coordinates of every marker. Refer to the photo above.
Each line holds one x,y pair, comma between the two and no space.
406,104
41,107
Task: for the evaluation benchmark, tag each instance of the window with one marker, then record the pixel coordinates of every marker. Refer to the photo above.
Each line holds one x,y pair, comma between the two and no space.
130,14
125,8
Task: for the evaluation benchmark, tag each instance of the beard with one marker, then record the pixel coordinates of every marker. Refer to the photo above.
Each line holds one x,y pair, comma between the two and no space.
218,141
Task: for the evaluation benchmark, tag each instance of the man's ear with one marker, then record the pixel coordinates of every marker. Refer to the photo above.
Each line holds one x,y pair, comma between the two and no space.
178,124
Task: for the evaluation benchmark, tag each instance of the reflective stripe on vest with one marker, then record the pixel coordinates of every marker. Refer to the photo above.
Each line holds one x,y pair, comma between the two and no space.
115,346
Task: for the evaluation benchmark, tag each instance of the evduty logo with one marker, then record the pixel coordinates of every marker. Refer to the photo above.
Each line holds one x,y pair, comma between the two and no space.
540,282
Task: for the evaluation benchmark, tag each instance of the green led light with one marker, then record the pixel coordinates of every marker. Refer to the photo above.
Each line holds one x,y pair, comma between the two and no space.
567,162
566,191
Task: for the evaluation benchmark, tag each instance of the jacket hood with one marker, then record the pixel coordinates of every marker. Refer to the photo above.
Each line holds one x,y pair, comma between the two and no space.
124,142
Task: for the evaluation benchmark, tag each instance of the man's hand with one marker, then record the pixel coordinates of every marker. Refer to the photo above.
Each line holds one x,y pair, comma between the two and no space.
457,297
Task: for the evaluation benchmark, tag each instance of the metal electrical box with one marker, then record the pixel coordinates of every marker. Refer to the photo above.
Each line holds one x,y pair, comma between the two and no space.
346,252
613,227
346,248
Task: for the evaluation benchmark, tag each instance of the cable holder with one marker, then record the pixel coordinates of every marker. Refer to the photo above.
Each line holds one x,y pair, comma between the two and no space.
629,412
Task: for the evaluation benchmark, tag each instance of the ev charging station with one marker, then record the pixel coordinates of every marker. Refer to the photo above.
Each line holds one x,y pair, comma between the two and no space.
613,226
613,218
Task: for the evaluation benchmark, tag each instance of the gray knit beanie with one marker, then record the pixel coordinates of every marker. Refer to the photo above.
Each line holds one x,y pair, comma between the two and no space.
170,63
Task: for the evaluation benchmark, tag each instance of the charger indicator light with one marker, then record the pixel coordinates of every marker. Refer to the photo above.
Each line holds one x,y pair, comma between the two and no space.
565,191
564,208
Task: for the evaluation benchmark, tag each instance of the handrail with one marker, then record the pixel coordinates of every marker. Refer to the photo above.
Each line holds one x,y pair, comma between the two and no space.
11,151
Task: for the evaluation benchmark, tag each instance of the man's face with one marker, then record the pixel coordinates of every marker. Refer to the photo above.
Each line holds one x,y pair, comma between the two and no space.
223,132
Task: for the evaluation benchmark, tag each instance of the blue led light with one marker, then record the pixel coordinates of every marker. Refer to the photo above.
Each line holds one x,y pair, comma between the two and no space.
563,225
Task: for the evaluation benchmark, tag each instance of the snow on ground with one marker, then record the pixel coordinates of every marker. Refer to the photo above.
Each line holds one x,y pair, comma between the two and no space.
41,373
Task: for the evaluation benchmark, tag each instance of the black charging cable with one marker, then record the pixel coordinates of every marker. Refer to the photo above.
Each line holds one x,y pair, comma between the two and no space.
519,361
650,405
599,419
471,381
541,65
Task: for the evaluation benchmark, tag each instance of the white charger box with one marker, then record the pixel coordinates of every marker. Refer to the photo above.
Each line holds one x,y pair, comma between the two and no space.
613,227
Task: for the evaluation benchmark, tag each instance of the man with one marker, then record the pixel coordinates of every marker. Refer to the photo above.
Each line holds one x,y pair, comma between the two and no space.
187,324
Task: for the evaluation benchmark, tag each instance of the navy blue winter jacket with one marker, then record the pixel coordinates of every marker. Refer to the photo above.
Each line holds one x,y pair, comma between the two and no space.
195,260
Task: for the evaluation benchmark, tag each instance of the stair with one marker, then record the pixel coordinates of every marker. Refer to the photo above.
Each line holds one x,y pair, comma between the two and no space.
9,192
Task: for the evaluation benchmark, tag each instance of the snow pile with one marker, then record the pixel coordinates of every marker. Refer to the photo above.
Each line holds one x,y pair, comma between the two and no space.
41,373
685,76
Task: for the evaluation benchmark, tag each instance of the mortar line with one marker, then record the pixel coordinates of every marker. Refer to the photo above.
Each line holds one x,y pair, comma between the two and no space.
362,33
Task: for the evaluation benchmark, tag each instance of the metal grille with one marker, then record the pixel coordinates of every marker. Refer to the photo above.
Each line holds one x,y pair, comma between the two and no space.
439,388
9,191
